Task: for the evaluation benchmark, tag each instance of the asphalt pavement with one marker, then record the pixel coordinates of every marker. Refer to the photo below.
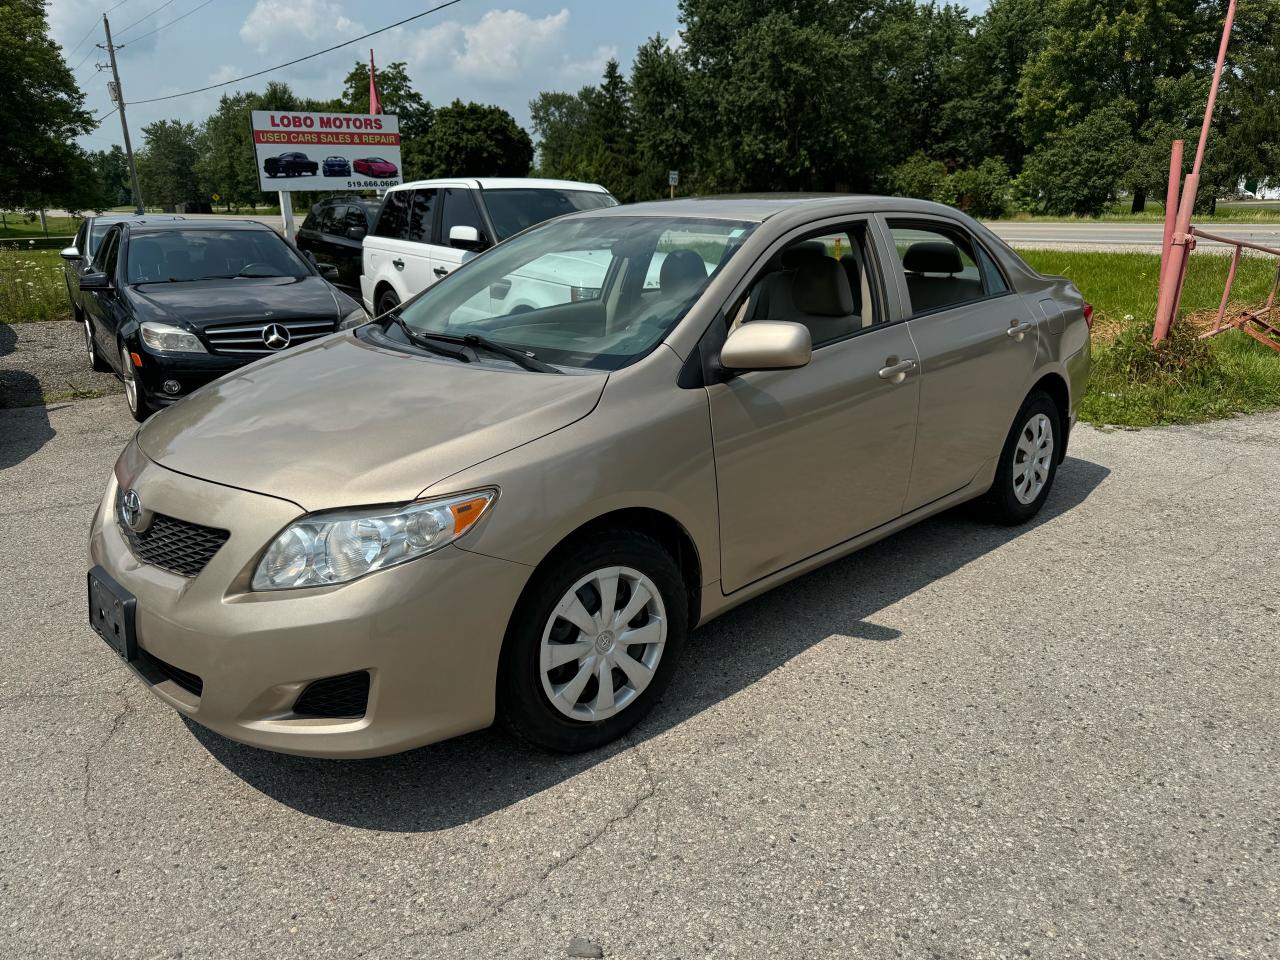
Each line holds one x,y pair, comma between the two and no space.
966,741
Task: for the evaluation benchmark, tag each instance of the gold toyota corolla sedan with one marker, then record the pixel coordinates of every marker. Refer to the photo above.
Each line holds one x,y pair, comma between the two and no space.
515,495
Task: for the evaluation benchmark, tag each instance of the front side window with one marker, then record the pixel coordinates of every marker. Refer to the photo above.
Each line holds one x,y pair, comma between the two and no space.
459,211
573,292
519,208
939,265
823,281
105,259
422,215
332,217
177,256
393,221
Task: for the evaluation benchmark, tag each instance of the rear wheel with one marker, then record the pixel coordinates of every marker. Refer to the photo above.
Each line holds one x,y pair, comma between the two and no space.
1028,463
139,409
387,300
96,362
593,643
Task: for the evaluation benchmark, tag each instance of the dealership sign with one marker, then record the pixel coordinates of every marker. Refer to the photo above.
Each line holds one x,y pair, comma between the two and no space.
326,151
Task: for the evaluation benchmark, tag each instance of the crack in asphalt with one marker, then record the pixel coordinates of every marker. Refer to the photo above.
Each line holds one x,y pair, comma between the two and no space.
94,754
647,791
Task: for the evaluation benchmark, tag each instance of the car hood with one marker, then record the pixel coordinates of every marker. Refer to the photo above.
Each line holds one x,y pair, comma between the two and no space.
202,302
342,422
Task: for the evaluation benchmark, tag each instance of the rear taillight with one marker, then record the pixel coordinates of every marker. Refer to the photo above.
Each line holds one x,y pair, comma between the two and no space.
1088,315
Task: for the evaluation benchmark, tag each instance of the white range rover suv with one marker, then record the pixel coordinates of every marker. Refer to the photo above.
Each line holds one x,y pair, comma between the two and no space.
427,228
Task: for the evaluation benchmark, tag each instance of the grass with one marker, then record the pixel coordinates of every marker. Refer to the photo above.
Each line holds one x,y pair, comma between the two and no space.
17,227
1185,380
32,285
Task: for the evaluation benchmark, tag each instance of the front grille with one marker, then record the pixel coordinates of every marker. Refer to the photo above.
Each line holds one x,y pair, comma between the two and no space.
175,545
342,696
250,338
187,681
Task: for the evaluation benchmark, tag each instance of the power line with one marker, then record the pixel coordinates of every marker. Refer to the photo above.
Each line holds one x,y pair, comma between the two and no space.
163,25
107,114
310,56
144,17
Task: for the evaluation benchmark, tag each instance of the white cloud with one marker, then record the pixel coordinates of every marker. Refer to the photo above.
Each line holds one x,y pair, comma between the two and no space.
278,24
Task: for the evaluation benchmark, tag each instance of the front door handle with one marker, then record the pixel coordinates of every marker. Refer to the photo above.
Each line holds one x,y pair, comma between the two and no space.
1017,330
398,264
440,271
895,370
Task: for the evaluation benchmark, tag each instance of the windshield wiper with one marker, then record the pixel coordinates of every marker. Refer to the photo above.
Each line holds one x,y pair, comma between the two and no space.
522,358
423,340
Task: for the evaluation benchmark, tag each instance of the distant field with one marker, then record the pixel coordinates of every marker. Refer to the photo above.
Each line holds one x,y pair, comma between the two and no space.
15,227
1256,211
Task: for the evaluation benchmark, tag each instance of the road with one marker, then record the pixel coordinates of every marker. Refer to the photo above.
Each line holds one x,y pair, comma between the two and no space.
967,741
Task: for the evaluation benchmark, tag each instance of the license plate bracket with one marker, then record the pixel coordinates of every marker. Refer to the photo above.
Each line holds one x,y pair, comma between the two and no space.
111,613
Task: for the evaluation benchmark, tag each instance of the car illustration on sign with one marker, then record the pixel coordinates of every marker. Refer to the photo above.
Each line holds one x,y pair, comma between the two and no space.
290,165
336,167
375,167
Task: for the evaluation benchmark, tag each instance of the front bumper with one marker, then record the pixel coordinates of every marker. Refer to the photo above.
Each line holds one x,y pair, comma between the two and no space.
429,632
191,370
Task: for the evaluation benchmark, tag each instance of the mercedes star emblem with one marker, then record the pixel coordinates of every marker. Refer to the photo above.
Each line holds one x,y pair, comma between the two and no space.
276,336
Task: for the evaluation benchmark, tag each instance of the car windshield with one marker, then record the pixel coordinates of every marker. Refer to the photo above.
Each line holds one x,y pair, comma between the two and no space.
519,208
590,292
177,256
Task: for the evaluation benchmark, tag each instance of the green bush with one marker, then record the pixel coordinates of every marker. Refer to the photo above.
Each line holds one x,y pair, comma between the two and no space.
981,191
918,177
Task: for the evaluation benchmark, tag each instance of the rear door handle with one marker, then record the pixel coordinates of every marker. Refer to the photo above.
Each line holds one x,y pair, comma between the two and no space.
398,264
1018,330
896,370
440,271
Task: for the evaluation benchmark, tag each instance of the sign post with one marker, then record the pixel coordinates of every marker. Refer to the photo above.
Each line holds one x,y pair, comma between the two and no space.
286,213
673,181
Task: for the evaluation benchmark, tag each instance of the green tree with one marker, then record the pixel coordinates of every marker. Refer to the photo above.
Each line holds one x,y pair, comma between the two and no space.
475,140
167,164
661,119
1077,169
111,167
397,96
918,177
227,165
981,191
41,113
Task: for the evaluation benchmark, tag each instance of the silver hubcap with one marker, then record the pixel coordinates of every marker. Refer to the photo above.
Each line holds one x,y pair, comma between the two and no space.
602,643
1032,457
130,382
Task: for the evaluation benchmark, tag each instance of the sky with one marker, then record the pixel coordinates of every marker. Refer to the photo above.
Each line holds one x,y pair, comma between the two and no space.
503,53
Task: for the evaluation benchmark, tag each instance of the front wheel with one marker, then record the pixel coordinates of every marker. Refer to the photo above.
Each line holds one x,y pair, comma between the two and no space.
1028,462
593,643
139,409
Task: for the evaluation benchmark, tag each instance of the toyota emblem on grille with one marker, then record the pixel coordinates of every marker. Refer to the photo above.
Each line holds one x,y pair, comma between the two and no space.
131,510
276,336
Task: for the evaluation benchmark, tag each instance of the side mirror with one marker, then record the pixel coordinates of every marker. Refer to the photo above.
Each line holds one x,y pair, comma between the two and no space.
69,253
327,270
468,238
356,233
767,345
95,281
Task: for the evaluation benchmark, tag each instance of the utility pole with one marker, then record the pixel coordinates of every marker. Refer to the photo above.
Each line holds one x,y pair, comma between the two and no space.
117,94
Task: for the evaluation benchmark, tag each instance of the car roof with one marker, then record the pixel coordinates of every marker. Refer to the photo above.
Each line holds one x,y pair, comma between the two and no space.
136,217
503,183
362,201
760,207
209,223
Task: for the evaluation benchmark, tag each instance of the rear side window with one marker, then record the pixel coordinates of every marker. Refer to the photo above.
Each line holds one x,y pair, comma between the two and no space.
422,214
939,265
459,211
357,217
393,222
332,217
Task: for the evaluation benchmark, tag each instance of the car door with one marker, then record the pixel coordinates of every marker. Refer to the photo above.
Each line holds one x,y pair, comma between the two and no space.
977,344
100,306
399,250
331,224
809,458
458,209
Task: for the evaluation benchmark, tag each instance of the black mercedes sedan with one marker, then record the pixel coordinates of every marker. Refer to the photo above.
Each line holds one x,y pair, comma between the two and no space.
170,306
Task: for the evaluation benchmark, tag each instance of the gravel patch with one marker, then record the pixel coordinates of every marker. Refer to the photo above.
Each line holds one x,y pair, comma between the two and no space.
45,362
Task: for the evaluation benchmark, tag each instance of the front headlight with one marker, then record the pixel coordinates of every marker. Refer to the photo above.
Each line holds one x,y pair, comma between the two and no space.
353,319
338,546
170,339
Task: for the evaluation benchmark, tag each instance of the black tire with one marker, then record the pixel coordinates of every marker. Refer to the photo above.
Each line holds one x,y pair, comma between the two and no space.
523,705
96,361
387,300
1002,502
